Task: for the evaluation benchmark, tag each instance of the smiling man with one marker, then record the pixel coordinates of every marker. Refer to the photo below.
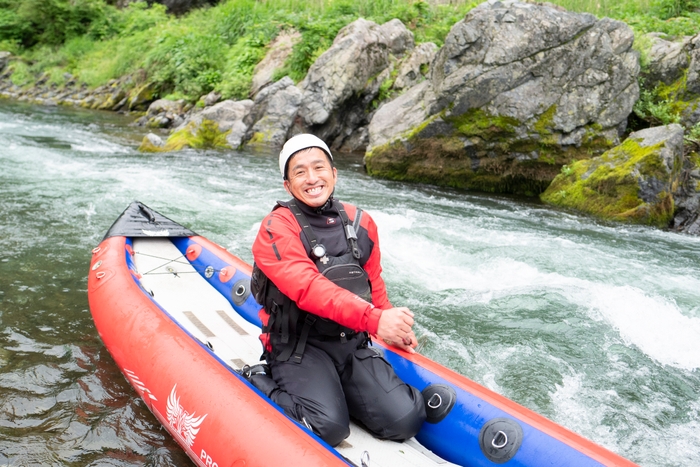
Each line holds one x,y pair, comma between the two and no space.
317,274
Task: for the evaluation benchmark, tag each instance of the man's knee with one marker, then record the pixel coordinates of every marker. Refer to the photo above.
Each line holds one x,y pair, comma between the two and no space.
332,431
406,425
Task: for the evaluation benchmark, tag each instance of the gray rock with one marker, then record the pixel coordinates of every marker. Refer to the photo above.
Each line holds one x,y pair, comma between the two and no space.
413,107
211,98
667,60
398,38
273,112
693,48
4,59
410,72
155,140
511,79
165,106
670,141
677,64
226,114
341,84
277,54
634,182
229,116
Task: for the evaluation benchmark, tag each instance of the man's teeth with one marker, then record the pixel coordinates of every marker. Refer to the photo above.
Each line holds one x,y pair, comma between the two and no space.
314,190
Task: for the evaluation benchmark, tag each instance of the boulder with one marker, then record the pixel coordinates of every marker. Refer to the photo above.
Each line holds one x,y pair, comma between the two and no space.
210,99
633,182
222,121
278,51
152,143
517,91
416,66
687,218
673,73
4,60
165,113
272,113
141,97
341,84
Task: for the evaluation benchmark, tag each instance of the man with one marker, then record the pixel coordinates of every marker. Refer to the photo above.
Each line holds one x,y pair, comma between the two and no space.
317,274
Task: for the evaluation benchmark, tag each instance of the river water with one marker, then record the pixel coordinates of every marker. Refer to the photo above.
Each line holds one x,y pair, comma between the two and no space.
595,326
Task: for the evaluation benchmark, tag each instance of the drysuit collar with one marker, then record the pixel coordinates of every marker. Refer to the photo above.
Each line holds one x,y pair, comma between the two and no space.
321,210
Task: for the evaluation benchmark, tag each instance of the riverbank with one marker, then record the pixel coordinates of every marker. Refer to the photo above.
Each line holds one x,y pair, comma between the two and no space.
486,107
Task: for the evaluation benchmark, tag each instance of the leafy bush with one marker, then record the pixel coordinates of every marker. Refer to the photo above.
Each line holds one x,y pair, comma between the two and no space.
52,22
217,48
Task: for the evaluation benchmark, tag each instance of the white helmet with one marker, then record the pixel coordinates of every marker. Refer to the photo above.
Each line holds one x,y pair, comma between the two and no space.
296,144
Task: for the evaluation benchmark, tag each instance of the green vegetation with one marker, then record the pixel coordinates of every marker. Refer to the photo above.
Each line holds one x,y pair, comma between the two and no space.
213,48
217,48
671,17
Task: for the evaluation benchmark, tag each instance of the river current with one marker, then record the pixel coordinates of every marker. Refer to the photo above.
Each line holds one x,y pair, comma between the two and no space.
593,325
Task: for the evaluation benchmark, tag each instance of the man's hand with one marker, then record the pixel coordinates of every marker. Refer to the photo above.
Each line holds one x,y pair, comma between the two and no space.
395,328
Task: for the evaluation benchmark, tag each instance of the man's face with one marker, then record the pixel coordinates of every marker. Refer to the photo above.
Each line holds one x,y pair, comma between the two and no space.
310,177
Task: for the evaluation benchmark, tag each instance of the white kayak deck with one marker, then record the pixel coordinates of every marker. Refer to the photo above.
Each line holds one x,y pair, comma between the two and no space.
207,315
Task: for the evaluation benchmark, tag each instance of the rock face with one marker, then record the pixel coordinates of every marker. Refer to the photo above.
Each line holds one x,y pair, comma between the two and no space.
343,81
517,91
272,113
674,70
415,67
634,182
278,51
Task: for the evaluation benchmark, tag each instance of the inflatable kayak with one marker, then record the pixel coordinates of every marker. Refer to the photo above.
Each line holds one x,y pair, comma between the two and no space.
175,312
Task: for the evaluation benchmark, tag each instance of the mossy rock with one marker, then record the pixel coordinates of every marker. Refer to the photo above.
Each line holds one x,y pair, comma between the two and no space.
141,97
608,186
482,152
205,135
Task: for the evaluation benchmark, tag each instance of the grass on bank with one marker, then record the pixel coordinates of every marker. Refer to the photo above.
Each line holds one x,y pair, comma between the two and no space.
217,48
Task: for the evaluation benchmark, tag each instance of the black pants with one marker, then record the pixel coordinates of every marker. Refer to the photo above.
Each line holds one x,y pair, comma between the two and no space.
337,380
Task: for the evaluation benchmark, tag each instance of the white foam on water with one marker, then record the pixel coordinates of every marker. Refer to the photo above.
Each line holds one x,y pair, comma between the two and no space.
574,409
479,263
653,324
100,147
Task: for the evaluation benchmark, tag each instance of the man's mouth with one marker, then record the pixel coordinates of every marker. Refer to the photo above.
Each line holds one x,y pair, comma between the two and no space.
314,190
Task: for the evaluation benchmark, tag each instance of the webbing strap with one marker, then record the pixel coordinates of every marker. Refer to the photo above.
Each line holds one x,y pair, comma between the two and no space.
350,233
304,223
301,344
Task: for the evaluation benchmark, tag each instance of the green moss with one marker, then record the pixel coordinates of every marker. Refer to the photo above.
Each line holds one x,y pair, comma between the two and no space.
141,97
261,138
445,161
479,123
257,138
665,103
478,154
206,135
607,186
543,125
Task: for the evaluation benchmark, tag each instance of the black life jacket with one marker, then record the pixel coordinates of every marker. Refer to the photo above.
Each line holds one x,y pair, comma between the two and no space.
288,326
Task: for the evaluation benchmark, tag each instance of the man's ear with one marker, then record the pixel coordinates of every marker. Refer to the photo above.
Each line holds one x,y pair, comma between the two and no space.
286,186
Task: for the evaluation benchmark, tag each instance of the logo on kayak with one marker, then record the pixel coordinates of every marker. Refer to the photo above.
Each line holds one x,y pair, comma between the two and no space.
138,384
185,424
